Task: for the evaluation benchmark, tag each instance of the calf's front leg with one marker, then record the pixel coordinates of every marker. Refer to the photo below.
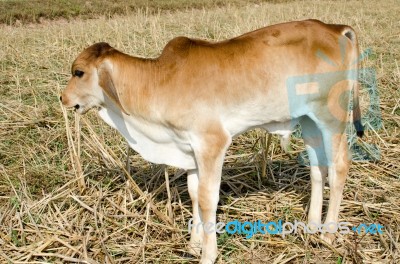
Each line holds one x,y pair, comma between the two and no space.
209,151
196,232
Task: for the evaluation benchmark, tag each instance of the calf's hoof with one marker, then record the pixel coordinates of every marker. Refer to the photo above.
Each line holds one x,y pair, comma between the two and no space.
328,238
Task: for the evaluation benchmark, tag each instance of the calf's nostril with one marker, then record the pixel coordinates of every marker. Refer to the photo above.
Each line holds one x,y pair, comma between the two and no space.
61,98
76,106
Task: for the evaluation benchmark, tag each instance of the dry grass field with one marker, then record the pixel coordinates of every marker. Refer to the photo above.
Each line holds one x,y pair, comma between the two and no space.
66,195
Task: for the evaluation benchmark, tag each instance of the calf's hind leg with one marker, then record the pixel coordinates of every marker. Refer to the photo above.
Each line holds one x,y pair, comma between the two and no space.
337,175
318,168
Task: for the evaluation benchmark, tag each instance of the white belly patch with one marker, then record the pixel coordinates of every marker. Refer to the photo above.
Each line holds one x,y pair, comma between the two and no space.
154,143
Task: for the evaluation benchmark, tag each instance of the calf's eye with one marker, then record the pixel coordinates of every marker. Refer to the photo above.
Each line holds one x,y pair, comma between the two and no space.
78,73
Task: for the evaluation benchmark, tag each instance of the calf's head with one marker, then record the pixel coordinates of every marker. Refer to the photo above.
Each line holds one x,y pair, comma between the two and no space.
91,80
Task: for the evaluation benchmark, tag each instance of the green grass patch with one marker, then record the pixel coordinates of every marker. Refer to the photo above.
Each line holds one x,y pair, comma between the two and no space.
17,11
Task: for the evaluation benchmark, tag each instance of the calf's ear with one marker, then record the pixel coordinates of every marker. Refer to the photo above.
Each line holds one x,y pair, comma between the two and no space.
107,84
